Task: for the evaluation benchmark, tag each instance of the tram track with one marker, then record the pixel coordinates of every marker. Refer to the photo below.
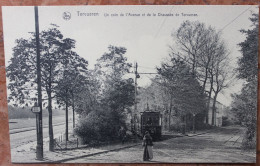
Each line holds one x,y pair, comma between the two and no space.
235,134
21,130
233,140
237,140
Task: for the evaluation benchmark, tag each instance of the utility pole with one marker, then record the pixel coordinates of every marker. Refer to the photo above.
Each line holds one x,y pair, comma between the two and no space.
39,146
134,116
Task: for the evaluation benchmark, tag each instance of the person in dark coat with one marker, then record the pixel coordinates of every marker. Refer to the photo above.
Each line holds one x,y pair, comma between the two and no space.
148,147
122,134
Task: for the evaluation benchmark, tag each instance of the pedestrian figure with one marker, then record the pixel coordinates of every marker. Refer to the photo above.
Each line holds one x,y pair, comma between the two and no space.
122,134
148,147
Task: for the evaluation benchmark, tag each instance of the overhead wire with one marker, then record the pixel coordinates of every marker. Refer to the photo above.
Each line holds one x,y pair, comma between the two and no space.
235,18
162,23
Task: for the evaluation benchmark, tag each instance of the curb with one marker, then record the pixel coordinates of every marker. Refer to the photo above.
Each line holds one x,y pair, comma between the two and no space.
92,154
46,161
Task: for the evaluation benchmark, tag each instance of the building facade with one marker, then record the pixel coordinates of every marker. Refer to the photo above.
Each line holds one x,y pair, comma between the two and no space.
220,112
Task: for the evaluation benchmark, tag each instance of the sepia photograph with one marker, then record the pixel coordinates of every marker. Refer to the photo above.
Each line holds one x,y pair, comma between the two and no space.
132,84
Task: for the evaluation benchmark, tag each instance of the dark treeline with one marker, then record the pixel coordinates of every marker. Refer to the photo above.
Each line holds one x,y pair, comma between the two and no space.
25,112
244,105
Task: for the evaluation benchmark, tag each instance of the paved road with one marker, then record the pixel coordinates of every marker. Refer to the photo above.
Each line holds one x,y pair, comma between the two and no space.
223,146
24,123
20,136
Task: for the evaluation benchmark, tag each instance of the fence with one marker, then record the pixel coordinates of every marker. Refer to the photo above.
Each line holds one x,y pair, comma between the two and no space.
61,143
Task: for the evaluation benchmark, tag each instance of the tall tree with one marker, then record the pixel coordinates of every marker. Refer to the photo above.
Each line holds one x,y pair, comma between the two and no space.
109,105
65,93
190,39
249,49
86,95
117,90
203,49
245,104
73,80
56,51
221,78
184,90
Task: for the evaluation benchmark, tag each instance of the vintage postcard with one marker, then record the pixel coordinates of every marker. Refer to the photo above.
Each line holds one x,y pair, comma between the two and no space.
132,84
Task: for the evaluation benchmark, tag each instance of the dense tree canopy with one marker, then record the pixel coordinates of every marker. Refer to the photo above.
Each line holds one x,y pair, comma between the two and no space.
245,104
111,68
204,50
115,97
249,49
56,53
183,90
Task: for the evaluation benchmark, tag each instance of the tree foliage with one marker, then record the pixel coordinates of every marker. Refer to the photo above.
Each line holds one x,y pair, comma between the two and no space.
249,49
186,92
117,91
115,97
245,108
56,53
204,50
245,104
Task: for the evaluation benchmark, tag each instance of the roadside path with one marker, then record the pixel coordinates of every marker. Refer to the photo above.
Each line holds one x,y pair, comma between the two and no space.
221,145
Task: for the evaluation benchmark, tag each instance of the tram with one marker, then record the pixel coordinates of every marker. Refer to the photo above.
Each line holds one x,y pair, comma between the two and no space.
151,121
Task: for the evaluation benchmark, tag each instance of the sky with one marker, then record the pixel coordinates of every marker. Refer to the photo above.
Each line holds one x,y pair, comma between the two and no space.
147,38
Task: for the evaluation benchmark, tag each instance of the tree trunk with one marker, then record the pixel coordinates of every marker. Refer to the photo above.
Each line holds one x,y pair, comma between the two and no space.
51,140
165,119
208,106
193,123
214,109
170,112
67,119
206,74
73,110
213,114
208,102
194,65
184,125
205,81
